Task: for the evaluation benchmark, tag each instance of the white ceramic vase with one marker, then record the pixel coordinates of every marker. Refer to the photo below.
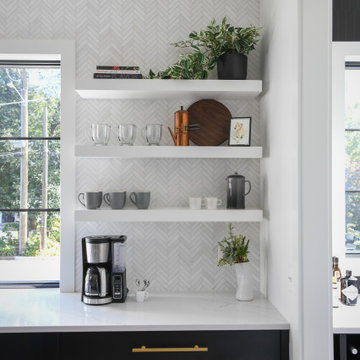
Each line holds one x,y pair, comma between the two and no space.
244,290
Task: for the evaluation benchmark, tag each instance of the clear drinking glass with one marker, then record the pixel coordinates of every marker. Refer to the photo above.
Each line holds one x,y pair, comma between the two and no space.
152,133
127,134
100,133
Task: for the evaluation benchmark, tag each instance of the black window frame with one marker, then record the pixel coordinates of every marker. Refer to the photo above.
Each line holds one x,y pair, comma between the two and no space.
29,64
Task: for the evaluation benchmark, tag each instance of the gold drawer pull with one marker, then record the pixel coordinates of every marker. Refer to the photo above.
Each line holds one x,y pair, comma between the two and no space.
196,348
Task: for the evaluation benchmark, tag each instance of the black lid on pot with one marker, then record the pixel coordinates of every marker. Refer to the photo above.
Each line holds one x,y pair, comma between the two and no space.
236,175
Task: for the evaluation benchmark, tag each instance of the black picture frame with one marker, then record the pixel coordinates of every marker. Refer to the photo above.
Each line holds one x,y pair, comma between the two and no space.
241,142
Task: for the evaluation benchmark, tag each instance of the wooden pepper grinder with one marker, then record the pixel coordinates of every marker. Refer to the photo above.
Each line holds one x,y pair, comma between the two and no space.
184,127
181,128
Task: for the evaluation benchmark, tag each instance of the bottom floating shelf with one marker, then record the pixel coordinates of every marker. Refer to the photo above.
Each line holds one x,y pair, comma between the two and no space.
170,215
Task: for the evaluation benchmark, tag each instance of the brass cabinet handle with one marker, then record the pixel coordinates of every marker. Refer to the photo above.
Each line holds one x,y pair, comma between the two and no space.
196,348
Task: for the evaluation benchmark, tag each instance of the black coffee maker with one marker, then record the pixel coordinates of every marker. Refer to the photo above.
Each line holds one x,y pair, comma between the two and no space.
236,191
101,284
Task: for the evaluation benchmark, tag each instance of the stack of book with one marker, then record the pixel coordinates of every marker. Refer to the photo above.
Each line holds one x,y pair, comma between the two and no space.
117,72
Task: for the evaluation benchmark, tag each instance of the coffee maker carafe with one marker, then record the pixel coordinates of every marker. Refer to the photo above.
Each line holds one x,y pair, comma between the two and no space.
98,262
236,191
96,283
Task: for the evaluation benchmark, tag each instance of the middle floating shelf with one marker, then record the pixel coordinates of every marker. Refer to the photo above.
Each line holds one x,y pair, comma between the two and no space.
170,215
180,152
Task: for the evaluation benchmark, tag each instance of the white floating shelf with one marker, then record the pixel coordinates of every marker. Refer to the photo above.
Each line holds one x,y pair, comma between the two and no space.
184,152
170,215
167,89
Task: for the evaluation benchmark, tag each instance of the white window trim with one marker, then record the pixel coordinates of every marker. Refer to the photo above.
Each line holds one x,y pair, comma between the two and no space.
65,49
341,52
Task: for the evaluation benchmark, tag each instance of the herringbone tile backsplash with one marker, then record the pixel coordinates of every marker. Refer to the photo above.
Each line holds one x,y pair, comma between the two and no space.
175,257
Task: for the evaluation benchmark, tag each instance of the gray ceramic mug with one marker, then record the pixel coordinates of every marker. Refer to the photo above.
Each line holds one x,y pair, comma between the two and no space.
116,200
90,199
141,199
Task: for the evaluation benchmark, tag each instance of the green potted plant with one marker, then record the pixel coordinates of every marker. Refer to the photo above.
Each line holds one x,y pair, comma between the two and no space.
189,66
235,250
225,46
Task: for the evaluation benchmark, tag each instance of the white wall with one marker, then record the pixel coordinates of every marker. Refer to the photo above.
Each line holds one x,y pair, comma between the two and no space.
316,179
296,170
280,121
140,32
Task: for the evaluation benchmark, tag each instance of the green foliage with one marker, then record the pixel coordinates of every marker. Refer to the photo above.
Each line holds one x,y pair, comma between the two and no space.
33,246
44,92
234,248
352,156
190,66
8,243
217,40
206,47
10,159
9,239
357,245
350,230
352,178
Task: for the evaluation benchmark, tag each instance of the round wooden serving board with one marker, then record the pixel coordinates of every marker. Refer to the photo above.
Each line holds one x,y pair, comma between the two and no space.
214,120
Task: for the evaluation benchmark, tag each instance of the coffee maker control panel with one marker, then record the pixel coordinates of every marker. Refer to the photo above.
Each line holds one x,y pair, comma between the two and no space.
119,290
117,286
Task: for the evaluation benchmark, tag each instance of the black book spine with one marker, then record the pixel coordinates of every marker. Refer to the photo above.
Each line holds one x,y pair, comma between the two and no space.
117,76
119,67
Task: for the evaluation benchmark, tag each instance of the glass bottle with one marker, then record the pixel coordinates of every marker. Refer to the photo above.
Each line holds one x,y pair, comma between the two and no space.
336,283
349,289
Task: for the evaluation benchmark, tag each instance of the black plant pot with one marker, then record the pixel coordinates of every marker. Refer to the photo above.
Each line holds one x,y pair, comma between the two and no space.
232,67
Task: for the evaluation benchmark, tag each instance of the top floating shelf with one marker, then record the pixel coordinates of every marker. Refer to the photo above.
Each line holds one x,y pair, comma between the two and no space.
167,89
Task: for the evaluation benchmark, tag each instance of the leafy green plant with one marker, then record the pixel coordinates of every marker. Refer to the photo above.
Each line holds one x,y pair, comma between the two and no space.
206,47
217,40
235,249
190,66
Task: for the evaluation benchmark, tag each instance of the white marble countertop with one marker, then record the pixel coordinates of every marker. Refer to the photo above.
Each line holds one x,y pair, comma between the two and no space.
48,310
346,319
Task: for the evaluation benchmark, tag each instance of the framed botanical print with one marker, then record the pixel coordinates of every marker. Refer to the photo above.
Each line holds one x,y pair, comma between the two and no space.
240,131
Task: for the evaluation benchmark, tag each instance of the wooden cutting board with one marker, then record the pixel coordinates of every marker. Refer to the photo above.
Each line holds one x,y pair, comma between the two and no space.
214,120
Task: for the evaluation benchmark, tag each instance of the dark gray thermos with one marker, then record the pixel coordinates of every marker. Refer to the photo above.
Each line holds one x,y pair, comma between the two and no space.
236,191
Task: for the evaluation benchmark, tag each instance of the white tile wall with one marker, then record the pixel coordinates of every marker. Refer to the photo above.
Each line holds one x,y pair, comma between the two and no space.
170,181
176,257
141,112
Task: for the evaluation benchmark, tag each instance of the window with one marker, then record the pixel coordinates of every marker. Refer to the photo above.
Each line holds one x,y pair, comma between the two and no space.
352,156
30,171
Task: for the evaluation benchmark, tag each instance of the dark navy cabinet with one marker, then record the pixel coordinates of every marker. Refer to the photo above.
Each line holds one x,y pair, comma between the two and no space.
346,24
346,346
30,346
224,345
